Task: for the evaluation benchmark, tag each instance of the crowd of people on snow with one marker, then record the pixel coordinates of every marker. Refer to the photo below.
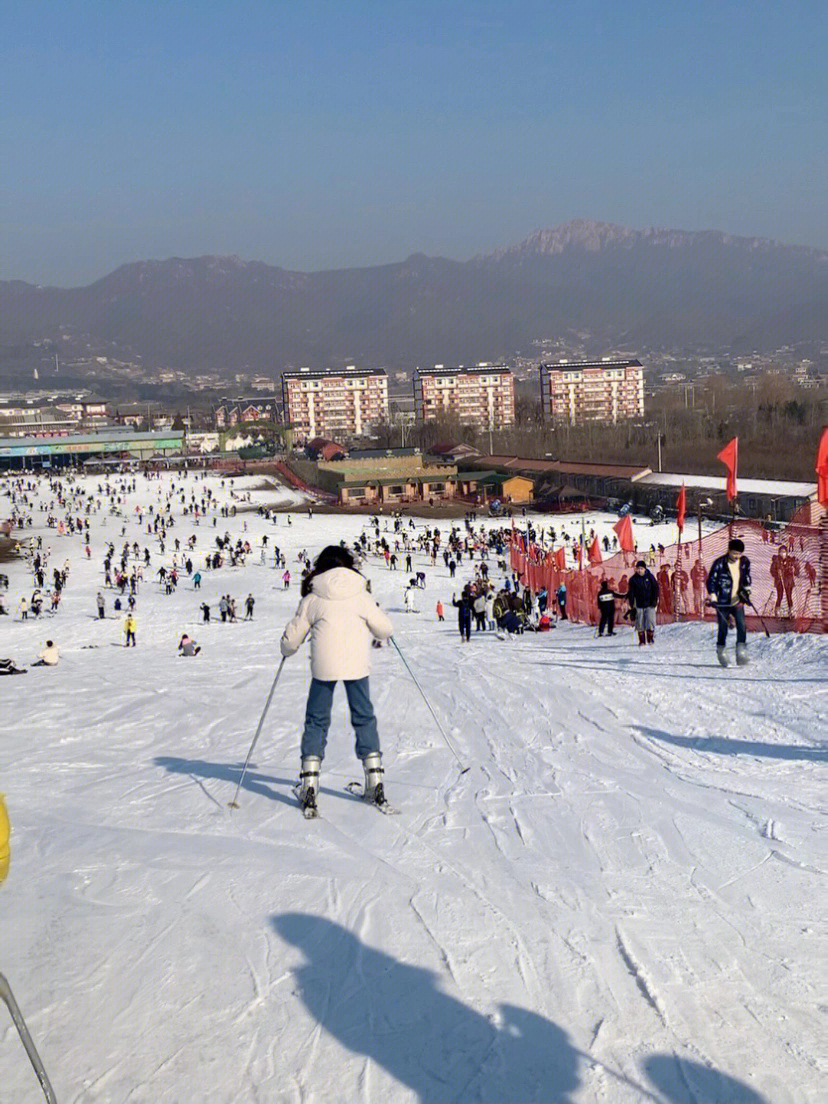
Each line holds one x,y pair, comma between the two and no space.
487,595
67,505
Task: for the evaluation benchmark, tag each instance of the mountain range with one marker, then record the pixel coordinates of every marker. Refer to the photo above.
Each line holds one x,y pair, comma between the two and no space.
625,289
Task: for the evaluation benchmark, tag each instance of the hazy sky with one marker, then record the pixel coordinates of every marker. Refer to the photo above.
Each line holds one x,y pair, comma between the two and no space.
314,134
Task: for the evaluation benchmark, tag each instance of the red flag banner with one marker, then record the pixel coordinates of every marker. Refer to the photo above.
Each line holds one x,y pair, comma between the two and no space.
595,552
579,553
625,534
729,456
822,469
681,508
560,559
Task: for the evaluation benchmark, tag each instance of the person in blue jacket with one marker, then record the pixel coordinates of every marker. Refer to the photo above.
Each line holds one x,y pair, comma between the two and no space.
728,585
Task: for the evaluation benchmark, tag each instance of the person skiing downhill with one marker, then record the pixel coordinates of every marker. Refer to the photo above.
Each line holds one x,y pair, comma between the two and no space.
728,585
341,618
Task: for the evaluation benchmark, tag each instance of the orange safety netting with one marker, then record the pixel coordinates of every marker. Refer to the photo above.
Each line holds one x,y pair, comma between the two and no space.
789,571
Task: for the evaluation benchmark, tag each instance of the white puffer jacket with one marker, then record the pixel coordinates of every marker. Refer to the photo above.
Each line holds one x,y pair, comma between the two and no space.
341,617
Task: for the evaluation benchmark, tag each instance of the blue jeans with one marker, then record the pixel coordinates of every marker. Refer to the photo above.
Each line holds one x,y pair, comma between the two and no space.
739,617
318,717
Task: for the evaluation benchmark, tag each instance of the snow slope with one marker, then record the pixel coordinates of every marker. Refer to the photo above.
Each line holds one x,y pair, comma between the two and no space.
620,901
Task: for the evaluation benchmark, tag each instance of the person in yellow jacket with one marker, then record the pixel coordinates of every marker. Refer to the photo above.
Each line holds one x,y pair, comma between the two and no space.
129,630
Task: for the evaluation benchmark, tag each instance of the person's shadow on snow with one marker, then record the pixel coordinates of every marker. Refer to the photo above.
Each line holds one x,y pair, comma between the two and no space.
396,1015
683,1081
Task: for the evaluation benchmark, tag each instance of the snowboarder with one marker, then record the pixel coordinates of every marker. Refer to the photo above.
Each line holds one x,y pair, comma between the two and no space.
341,618
728,585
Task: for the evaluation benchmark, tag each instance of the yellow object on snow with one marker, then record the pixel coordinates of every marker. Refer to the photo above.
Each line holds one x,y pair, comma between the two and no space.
5,832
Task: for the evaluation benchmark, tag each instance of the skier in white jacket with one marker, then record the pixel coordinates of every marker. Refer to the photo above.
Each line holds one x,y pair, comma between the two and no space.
342,619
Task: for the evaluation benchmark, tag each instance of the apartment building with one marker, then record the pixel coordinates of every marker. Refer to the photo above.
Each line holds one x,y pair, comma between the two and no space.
482,396
338,404
592,391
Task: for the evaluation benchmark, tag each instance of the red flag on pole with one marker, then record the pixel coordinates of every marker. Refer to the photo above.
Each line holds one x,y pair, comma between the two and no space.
560,559
822,469
595,552
729,456
579,553
681,508
625,534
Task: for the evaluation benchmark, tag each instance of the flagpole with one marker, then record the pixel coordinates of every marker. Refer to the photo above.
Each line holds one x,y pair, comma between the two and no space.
583,541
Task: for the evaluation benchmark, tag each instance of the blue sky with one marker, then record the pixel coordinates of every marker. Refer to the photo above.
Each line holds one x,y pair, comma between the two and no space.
315,134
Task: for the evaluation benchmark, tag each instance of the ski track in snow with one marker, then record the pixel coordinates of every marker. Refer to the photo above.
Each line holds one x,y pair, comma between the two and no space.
618,902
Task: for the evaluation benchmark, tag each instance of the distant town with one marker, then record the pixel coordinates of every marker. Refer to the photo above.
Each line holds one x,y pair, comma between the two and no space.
567,433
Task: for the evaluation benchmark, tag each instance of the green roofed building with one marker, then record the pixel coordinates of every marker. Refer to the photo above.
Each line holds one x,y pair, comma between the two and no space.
123,443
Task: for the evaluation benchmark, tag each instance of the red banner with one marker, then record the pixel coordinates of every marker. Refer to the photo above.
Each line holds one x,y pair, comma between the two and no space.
625,534
822,469
681,508
729,456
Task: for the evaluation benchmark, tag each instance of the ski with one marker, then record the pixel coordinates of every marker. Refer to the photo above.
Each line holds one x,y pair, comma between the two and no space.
310,810
384,806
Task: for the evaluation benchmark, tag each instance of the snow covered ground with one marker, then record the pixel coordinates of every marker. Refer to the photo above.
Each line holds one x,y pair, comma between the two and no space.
620,900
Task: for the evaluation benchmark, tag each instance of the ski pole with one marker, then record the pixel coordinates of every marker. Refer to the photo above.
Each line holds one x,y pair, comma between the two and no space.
761,619
7,997
431,711
234,803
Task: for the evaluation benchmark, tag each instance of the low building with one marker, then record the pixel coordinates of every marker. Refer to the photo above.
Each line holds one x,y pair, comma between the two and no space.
551,476
320,448
776,499
73,450
459,452
487,485
260,408
44,421
380,475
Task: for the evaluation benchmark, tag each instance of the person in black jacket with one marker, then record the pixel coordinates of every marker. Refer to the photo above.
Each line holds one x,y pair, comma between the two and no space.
606,608
728,585
642,592
464,606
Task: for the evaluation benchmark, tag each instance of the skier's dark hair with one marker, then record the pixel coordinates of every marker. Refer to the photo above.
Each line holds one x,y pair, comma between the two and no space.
332,556
736,545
